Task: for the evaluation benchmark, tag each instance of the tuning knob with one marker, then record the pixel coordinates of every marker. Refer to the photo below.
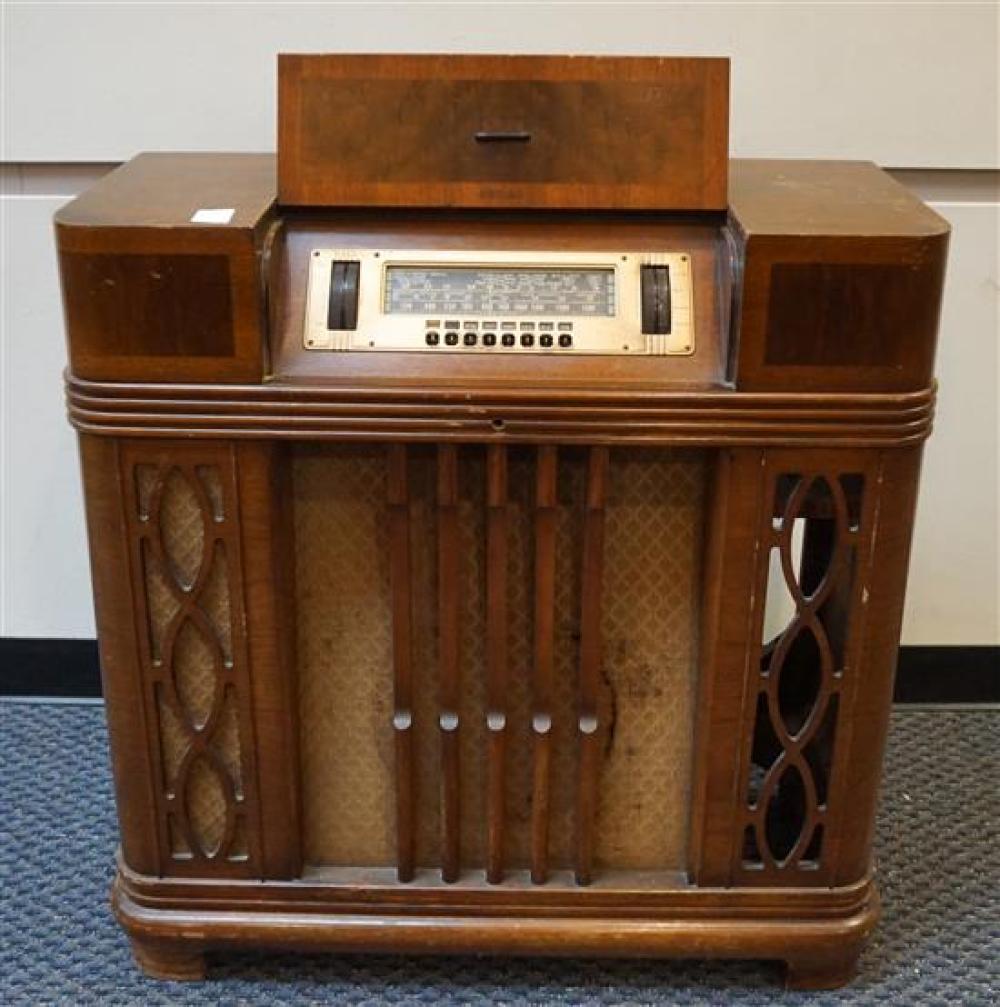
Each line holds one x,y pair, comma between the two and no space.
655,299
342,308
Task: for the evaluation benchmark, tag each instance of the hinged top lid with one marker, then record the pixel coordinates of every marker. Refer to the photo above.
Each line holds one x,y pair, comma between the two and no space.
586,132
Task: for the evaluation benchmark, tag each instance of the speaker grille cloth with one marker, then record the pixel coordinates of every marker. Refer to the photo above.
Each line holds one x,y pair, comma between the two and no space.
651,583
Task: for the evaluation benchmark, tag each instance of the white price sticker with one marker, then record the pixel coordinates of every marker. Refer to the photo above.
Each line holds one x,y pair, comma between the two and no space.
212,216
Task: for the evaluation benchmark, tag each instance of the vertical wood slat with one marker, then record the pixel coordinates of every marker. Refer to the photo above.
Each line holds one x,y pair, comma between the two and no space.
264,486
590,660
398,499
496,655
733,521
448,656
541,721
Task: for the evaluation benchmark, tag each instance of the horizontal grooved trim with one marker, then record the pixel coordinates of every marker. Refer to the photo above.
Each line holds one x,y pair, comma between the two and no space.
703,418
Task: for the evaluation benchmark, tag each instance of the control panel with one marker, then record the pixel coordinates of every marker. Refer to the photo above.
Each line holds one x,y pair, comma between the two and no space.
500,302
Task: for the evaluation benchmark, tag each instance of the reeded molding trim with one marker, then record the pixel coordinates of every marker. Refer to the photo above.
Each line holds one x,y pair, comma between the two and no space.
708,418
314,923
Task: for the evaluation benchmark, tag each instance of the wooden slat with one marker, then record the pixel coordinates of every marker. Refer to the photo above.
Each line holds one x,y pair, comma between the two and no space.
541,721
402,656
590,660
263,482
448,654
496,654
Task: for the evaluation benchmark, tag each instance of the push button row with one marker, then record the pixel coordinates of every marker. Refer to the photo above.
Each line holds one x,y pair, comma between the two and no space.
433,338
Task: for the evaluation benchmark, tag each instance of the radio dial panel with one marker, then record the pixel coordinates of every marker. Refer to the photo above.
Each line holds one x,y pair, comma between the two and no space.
604,303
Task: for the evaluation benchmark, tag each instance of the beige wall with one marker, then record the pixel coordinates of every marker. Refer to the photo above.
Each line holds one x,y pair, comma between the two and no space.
911,86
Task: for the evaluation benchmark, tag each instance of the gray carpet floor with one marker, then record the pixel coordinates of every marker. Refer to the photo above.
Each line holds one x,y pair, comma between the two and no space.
938,942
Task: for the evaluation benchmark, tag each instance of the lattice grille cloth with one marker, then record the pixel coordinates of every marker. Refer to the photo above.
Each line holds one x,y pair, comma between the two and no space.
344,655
651,588
937,944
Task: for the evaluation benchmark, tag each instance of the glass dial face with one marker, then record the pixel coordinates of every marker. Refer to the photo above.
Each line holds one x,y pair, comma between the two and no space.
476,290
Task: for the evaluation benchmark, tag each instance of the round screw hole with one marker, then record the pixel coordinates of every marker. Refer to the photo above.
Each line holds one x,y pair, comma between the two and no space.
498,424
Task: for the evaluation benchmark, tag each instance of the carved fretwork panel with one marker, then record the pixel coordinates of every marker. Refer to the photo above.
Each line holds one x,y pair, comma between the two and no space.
812,549
182,513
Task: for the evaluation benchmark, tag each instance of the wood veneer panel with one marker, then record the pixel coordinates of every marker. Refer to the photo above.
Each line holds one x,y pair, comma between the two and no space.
117,635
156,305
503,131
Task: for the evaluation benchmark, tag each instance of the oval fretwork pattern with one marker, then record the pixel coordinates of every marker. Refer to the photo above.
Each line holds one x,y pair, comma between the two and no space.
186,544
811,542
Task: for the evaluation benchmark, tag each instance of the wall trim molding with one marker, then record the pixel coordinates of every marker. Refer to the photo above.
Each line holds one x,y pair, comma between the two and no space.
67,669
948,674
49,667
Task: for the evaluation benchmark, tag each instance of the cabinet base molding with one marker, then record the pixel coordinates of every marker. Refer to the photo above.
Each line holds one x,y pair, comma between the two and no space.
172,923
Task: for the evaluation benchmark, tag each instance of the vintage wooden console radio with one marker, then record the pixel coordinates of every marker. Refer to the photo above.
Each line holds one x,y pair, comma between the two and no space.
499,518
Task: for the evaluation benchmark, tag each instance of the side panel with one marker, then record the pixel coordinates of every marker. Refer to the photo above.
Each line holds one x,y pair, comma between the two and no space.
805,579
860,772
194,688
154,291
843,270
131,759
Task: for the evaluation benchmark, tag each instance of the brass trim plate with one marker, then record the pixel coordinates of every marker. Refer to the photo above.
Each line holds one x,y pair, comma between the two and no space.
613,335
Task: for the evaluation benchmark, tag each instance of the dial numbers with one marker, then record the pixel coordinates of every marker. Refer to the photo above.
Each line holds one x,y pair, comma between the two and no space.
495,291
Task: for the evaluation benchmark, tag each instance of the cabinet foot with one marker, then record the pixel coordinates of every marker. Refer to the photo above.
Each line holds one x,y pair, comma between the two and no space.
165,960
825,973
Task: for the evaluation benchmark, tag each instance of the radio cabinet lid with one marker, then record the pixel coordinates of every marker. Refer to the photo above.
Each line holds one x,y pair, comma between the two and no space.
838,199
165,190
529,132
